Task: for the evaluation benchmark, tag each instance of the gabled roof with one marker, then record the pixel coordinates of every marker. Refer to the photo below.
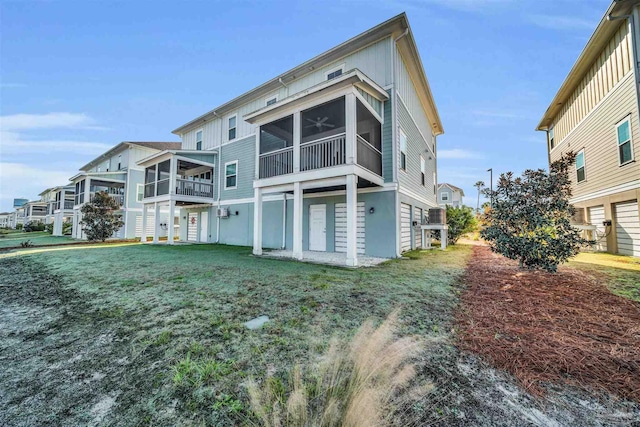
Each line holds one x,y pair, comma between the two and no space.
394,27
152,145
599,39
452,187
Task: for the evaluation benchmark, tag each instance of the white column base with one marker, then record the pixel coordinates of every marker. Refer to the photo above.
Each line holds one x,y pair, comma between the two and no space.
352,220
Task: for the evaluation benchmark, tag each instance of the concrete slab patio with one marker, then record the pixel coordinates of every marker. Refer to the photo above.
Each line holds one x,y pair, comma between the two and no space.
327,258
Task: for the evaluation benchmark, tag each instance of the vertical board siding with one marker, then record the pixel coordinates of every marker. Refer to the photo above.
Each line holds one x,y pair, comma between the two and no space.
597,217
409,95
597,136
373,102
416,146
244,151
613,64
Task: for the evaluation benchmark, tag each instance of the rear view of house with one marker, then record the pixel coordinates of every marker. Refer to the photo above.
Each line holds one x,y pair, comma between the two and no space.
449,195
595,115
335,155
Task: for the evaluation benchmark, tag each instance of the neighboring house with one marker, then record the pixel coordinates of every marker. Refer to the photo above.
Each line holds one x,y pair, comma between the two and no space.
595,115
60,202
449,195
116,172
337,154
35,211
12,220
5,219
19,216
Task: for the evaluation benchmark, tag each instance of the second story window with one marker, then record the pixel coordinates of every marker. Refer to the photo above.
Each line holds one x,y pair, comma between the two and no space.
444,196
232,128
625,150
139,192
119,161
403,151
552,142
199,140
231,175
580,171
423,171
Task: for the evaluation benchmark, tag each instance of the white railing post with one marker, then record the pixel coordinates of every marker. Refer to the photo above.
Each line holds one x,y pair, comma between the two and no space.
350,127
297,132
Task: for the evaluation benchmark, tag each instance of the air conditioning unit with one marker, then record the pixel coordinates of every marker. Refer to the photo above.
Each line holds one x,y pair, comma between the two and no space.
223,213
578,217
437,216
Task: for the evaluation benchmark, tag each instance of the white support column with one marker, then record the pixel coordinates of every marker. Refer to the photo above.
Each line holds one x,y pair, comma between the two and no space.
297,220
143,233
444,237
87,190
296,141
257,222
350,128
156,228
170,228
352,218
173,175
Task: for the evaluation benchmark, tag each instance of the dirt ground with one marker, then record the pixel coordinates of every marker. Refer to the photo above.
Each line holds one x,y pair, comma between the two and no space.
70,357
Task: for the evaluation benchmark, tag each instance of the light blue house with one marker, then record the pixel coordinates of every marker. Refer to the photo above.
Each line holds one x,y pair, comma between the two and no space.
336,155
449,195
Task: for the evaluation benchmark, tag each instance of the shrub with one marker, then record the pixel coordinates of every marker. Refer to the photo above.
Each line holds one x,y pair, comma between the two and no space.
353,385
33,226
49,228
67,228
529,220
18,226
98,217
26,244
460,221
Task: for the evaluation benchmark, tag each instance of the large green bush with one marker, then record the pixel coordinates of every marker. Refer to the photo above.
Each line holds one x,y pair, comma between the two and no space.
460,220
98,217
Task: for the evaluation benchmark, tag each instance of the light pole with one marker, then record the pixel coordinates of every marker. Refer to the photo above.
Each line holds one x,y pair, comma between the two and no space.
490,170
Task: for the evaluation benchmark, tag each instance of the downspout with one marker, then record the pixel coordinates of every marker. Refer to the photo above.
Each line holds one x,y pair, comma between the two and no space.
284,220
219,178
394,135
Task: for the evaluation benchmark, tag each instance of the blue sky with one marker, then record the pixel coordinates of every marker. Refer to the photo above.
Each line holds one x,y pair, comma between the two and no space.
77,77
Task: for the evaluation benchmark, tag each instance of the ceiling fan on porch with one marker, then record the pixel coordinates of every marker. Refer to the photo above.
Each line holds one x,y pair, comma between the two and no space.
319,123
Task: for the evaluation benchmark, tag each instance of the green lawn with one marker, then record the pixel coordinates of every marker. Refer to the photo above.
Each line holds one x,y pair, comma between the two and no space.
37,238
153,335
620,273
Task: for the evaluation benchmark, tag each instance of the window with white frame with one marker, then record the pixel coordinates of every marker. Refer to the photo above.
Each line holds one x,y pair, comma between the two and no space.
552,142
199,140
423,170
403,151
580,169
139,192
625,149
444,196
336,72
231,175
232,128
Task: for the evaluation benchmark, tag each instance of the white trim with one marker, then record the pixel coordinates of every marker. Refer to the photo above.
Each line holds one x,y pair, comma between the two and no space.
370,108
609,191
201,130
229,128
253,134
626,119
138,186
404,104
604,98
227,176
333,70
417,197
442,198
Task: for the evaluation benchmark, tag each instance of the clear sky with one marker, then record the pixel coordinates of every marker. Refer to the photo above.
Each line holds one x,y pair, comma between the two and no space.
78,77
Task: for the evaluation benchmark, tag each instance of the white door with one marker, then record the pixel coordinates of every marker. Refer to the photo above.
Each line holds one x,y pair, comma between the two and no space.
596,217
318,228
628,228
192,227
417,231
405,227
341,228
204,226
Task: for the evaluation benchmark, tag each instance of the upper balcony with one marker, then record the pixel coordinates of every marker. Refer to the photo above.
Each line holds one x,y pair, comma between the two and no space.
176,176
321,135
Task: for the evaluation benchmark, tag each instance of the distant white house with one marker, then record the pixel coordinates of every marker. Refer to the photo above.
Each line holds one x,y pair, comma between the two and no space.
449,195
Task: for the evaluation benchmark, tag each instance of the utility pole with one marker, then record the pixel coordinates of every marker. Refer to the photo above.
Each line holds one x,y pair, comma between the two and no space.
491,186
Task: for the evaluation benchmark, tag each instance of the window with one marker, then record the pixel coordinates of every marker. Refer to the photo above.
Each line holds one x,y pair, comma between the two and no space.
232,128
139,192
444,196
119,161
231,175
336,72
580,166
552,142
199,140
423,170
403,151
434,182
272,101
625,151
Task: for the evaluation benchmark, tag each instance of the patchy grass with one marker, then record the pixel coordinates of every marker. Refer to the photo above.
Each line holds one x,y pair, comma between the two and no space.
154,333
621,274
37,238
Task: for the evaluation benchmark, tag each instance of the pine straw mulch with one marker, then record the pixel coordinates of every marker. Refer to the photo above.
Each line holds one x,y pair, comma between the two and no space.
550,328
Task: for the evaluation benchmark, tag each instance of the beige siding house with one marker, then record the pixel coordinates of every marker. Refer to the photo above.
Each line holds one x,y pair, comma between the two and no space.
595,115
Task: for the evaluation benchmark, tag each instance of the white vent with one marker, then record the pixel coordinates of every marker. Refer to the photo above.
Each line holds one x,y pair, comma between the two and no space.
223,213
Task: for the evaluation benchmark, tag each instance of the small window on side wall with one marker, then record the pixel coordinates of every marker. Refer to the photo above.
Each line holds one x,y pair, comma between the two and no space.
552,142
444,196
625,149
139,192
232,128
423,171
403,151
580,168
199,140
231,175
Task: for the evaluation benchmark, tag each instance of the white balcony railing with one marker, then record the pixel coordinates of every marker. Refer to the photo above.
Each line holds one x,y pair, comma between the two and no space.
276,163
194,188
119,198
323,153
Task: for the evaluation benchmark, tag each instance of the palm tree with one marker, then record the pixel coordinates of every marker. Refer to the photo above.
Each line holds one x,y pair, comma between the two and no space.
479,185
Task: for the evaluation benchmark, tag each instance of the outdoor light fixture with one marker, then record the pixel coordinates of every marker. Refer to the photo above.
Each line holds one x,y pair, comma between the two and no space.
372,210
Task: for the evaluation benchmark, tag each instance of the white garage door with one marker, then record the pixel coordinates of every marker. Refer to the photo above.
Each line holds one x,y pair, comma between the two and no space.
405,227
192,227
596,215
417,232
628,228
151,224
341,228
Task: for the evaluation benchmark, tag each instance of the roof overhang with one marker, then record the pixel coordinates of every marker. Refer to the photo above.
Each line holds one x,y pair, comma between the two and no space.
598,40
91,174
160,156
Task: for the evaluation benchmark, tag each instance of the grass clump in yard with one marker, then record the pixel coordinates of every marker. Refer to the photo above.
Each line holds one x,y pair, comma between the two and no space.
352,385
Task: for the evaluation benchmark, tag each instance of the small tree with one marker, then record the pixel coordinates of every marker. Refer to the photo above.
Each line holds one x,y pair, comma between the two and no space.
479,185
98,217
529,221
461,221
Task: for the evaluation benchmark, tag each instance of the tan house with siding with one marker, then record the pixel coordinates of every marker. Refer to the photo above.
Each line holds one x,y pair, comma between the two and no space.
595,115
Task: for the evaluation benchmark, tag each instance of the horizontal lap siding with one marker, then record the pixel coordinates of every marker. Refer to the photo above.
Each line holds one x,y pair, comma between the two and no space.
597,135
628,228
244,151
